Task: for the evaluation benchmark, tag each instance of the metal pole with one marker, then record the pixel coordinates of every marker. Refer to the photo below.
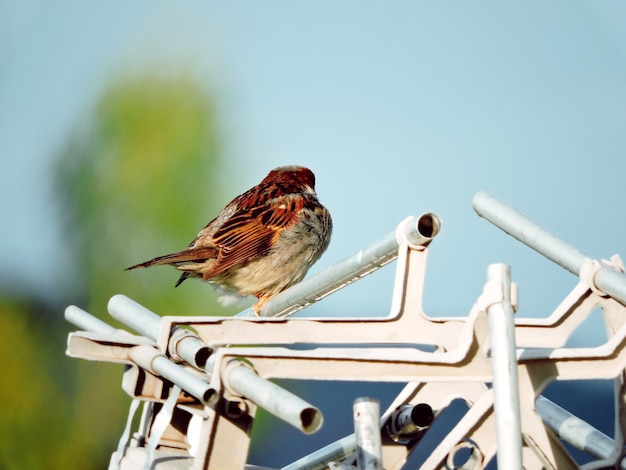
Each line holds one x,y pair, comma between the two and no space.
369,454
283,404
134,315
420,231
504,363
184,344
86,321
575,431
150,358
320,459
549,245
147,357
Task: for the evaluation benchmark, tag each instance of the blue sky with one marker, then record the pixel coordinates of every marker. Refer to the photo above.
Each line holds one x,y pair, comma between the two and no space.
399,108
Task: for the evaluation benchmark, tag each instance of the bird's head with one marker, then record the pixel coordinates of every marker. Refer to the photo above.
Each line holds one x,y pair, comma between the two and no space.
296,176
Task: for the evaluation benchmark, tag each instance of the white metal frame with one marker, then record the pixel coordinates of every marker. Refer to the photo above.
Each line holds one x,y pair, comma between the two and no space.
215,369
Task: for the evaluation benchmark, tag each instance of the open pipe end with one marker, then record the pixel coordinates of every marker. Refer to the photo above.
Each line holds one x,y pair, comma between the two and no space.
311,420
423,229
409,422
202,356
210,396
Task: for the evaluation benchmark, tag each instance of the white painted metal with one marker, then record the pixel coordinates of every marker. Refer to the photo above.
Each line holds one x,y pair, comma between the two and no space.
504,363
457,365
367,432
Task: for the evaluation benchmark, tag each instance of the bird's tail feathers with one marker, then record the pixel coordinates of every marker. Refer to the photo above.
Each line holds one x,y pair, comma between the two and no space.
191,255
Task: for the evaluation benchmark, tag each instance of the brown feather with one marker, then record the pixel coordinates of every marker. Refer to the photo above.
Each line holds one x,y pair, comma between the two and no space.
191,255
242,237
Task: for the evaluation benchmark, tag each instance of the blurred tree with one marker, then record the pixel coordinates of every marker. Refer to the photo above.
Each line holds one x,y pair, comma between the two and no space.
138,179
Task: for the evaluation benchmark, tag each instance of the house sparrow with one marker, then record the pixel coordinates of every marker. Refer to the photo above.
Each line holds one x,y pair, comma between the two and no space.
262,242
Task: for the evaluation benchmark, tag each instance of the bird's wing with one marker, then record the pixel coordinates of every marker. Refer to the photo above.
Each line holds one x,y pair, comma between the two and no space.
251,232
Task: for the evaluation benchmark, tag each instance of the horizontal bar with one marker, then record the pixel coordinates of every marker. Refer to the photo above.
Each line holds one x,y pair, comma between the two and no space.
530,233
418,231
283,404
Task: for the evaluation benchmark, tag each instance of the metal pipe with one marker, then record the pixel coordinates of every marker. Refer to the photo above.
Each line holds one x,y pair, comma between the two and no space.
404,425
409,422
369,451
134,315
575,431
418,231
243,381
320,459
504,364
187,346
184,344
530,233
152,360
86,321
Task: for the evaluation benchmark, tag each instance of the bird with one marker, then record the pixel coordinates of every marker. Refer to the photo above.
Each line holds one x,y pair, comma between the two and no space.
263,241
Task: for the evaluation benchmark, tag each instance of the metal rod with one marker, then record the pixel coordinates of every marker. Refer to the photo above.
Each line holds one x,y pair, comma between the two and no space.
418,231
320,459
283,404
530,233
504,364
185,344
369,453
134,315
190,348
575,431
152,360
86,321
405,425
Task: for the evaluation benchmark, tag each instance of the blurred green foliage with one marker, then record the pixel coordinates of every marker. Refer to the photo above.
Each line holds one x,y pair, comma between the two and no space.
139,182
138,179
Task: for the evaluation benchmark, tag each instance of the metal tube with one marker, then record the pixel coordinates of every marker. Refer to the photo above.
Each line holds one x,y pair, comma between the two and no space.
190,348
185,345
86,321
152,360
319,459
409,422
134,315
369,451
243,381
575,431
418,232
504,364
549,245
